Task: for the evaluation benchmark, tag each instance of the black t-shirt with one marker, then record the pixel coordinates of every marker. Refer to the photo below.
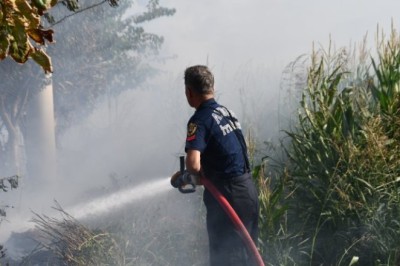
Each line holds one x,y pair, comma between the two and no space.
211,131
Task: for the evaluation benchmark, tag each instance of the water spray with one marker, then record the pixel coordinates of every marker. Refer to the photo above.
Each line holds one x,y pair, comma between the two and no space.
248,241
118,199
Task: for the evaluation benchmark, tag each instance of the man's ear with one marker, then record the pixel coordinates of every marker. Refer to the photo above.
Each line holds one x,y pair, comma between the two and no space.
189,92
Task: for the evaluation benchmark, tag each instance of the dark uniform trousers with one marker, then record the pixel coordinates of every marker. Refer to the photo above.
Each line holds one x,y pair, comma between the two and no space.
226,247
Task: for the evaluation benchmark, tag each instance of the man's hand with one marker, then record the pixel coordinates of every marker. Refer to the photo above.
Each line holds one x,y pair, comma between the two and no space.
182,179
174,179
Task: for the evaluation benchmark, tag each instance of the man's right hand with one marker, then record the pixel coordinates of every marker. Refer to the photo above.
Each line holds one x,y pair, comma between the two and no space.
181,179
175,179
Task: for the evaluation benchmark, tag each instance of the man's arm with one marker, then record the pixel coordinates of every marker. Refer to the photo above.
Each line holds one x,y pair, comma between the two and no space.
193,161
193,164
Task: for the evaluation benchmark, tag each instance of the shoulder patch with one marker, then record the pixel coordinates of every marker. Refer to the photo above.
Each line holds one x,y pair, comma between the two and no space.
192,127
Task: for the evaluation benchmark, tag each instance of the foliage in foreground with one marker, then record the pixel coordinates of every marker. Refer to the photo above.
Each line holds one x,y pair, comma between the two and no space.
150,232
22,34
336,201
5,184
71,243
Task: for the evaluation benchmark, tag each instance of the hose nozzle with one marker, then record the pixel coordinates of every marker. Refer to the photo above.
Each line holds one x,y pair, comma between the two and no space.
185,182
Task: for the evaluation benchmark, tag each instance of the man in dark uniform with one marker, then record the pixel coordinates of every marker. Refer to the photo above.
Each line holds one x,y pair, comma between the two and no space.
216,150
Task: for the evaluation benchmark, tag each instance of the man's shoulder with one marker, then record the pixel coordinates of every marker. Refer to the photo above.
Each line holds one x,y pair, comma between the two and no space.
203,113
202,118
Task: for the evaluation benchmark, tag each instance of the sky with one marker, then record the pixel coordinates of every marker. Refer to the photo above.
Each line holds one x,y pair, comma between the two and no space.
263,31
247,44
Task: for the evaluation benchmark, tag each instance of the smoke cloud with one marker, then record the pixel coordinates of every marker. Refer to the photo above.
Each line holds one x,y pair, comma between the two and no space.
138,136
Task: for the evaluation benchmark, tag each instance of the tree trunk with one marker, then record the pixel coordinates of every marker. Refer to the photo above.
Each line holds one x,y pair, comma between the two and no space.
40,138
13,153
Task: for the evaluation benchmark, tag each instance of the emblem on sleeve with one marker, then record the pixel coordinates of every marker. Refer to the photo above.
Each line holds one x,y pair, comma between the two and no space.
192,127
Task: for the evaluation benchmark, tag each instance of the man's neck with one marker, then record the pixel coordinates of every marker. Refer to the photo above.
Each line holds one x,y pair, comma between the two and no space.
203,99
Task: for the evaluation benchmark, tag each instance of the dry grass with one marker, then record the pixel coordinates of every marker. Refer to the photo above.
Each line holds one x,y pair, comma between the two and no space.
72,243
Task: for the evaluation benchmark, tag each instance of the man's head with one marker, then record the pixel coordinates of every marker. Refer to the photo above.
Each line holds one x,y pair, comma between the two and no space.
199,84
200,79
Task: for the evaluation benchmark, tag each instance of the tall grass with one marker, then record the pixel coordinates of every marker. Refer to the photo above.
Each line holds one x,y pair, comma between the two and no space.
65,241
337,197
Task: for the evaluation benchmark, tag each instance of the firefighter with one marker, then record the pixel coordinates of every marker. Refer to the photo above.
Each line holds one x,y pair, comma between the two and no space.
216,150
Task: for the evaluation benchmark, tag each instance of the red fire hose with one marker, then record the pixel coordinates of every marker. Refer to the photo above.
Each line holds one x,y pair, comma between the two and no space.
225,206
235,219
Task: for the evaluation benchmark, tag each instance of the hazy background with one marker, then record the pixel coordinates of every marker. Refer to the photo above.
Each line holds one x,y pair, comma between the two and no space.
139,135
249,43
232,33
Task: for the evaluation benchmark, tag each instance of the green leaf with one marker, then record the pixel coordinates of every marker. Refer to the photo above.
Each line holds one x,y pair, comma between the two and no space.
4,44
26,11
43,60
19,51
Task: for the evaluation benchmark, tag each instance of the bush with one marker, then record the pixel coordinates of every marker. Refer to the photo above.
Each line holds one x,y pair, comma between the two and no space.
341,177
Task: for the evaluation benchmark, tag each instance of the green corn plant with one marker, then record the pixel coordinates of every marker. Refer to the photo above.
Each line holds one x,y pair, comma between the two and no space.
274,240
387,71
344,162
386,88
328,191
322,127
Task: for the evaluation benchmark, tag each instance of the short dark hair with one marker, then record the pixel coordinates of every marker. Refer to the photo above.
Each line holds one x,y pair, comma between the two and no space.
200,79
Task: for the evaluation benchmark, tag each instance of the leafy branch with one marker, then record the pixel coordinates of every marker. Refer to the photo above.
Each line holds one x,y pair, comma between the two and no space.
22,35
